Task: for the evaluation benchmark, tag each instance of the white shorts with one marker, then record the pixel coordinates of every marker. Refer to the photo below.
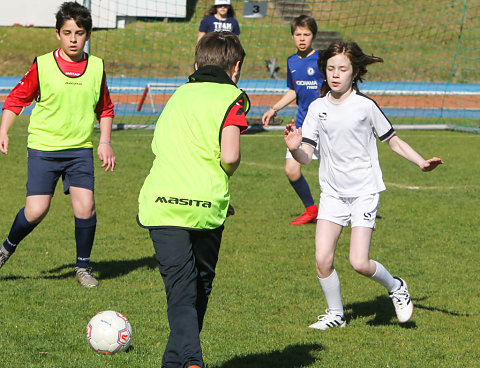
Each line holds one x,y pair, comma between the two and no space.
314,156
357,211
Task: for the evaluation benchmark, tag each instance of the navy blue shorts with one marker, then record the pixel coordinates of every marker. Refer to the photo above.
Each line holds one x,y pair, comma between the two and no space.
44,172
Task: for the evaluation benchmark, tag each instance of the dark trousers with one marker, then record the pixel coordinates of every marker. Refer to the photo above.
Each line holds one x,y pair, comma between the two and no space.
186,260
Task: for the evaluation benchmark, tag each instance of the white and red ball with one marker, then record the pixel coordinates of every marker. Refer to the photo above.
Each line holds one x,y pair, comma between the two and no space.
109,332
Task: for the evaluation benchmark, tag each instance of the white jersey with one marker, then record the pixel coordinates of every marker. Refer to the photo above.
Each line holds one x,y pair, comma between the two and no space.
345,136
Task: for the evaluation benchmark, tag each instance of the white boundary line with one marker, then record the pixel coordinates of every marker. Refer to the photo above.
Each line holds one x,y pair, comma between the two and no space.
435,187
272,128
173,86
168,87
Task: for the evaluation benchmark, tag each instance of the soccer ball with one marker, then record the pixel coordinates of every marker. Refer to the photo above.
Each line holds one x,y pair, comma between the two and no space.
109,332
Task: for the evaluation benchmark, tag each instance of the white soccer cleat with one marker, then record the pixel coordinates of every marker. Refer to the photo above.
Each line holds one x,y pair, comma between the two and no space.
4,255
329,320
402,302
85,277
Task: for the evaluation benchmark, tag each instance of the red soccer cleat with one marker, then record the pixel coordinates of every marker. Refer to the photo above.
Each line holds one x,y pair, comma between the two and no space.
310,215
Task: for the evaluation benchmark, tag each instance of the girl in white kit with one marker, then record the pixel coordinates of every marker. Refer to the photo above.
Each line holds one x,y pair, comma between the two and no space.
343,125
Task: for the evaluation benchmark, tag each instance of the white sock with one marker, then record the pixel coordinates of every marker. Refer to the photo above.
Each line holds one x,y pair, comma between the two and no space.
331,290
383,277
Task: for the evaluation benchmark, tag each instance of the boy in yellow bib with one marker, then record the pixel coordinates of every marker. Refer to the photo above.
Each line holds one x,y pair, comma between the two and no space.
185,198
70,89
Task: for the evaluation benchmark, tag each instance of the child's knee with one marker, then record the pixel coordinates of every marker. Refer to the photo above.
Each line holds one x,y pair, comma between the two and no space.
360,266
36,213
324,266
292,174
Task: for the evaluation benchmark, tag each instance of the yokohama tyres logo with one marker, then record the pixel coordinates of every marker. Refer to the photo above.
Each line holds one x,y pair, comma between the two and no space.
184,202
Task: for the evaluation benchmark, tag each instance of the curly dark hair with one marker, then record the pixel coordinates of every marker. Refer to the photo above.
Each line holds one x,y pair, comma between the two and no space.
73,10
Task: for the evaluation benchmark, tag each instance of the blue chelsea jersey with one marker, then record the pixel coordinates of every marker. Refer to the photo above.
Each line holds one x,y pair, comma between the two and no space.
305,78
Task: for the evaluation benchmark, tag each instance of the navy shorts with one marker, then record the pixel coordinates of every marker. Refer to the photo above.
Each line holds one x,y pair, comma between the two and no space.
44,172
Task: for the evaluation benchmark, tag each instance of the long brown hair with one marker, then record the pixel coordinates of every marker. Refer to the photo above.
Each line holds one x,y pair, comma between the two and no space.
356,56
213,11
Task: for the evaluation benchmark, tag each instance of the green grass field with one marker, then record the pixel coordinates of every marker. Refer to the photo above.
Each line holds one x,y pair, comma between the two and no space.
266,292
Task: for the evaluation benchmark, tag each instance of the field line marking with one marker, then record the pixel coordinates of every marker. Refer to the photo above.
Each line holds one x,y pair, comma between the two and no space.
262,165
434,187
388,184
263,135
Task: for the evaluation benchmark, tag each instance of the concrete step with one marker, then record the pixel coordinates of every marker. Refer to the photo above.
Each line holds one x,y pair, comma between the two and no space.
324,38
289,9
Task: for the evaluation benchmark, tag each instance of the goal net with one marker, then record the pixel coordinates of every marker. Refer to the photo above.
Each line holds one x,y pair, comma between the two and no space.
431,52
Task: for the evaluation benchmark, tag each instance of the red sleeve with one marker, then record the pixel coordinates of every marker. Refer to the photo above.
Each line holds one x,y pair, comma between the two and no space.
105,106
24,92
236,116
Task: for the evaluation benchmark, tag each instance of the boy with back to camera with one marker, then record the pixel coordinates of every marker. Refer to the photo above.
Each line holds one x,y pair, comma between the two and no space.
303,81
185,198
70,88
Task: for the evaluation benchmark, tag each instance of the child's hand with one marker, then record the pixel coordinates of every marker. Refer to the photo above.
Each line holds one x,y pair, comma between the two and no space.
293,138
431,164
269,115
106,155
4,144
230,211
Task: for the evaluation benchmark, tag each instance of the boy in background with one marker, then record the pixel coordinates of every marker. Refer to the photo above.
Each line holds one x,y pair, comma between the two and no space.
70,89
303,81
185,198
219,18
